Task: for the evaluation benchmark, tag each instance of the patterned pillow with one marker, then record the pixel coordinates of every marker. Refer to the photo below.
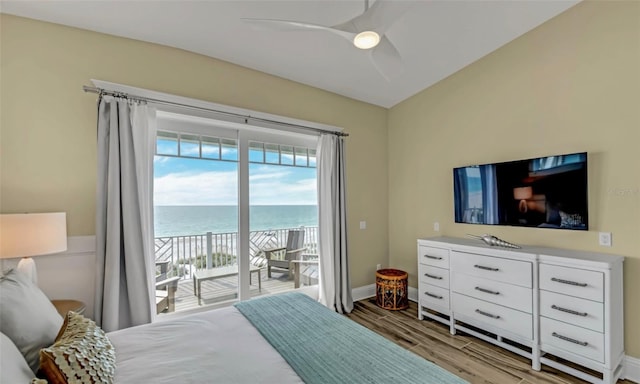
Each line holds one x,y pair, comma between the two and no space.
81,353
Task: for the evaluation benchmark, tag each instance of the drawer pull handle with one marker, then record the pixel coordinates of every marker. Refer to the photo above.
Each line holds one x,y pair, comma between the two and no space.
487,314
569,339
433,276
571,311
486,268
433,295
485,290
568,282
433,257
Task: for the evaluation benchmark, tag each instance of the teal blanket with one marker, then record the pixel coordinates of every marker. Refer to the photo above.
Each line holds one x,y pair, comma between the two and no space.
325,347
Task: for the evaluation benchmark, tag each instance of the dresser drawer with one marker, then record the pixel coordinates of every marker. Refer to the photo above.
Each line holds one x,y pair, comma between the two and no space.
493,268
508,295
431,295
436,257
497,316
573,339
572,310
572,281
434,275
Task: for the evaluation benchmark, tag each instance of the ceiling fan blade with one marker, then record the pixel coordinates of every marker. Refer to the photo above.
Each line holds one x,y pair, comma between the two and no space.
288,25
386,59
379,17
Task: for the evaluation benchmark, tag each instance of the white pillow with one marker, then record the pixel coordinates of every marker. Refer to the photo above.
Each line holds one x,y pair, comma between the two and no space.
13,366
27,316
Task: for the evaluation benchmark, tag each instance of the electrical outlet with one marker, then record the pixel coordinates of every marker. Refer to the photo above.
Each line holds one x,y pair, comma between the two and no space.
604,238
436,226
378,267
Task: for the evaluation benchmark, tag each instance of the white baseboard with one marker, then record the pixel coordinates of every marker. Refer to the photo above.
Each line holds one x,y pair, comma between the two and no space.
368,291
413,294
363,292
632,368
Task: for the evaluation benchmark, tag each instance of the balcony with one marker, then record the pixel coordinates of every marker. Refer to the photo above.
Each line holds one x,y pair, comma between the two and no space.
183,255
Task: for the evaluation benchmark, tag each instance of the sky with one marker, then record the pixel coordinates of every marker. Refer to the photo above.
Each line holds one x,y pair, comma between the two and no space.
183,181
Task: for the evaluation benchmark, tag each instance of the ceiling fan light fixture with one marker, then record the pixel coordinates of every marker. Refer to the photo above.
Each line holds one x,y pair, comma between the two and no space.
366,40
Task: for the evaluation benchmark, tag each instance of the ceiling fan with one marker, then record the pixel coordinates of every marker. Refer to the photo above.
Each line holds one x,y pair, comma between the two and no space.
366,31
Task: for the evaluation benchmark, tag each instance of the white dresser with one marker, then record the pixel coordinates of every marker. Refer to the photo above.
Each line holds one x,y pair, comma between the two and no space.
541,303
433,268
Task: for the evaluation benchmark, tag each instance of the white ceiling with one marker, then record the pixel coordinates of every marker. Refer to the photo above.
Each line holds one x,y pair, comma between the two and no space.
435,38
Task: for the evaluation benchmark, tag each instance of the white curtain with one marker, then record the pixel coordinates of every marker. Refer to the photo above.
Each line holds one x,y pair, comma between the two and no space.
335,284
124,214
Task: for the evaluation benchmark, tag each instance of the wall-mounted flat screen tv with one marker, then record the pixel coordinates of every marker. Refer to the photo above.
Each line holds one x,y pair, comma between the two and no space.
546,192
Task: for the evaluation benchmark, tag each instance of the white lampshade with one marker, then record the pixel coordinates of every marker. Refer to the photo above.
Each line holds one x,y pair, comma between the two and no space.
522,193
32,234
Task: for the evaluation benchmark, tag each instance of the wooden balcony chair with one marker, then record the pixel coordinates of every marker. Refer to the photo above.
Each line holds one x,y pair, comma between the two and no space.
166,292
162,268
307,268
281,257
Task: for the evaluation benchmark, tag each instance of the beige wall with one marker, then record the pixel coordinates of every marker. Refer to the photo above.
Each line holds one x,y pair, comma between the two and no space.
47,122
570,85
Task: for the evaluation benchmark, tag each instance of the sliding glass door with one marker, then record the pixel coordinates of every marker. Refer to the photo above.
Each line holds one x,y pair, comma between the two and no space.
223,198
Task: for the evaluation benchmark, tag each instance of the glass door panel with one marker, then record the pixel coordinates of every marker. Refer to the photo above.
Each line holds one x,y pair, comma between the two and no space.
223,200
283,215
196,216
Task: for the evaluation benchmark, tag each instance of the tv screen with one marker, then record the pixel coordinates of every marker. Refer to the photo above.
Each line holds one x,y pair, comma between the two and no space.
546,192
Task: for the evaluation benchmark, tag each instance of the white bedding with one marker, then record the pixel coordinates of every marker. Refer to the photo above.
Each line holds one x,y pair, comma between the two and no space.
218,346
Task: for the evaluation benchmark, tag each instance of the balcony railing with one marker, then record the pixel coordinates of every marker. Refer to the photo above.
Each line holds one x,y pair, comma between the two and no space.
181,255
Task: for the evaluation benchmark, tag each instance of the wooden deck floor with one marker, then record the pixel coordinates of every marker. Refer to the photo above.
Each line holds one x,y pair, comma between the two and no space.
225,289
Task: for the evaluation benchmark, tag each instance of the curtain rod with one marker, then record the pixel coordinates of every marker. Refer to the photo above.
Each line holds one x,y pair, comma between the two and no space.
246,118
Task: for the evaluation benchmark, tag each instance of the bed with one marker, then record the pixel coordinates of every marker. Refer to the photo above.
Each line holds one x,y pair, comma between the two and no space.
232,351
284,338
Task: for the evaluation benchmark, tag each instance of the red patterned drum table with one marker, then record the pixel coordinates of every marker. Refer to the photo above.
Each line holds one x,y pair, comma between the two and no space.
391,289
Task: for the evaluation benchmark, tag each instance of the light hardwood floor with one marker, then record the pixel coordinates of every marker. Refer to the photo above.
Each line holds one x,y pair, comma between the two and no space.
466,356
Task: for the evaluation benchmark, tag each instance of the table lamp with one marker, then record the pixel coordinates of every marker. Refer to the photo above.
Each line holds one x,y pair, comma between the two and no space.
32,234
523,194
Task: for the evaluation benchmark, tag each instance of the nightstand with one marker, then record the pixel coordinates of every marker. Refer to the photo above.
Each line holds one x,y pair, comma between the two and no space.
64,306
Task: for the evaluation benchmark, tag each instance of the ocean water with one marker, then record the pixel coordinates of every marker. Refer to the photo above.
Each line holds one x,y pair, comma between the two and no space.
181,220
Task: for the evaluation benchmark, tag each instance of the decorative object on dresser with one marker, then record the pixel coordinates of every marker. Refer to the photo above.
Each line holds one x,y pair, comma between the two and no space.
32,234
541,303
494,241
391,289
